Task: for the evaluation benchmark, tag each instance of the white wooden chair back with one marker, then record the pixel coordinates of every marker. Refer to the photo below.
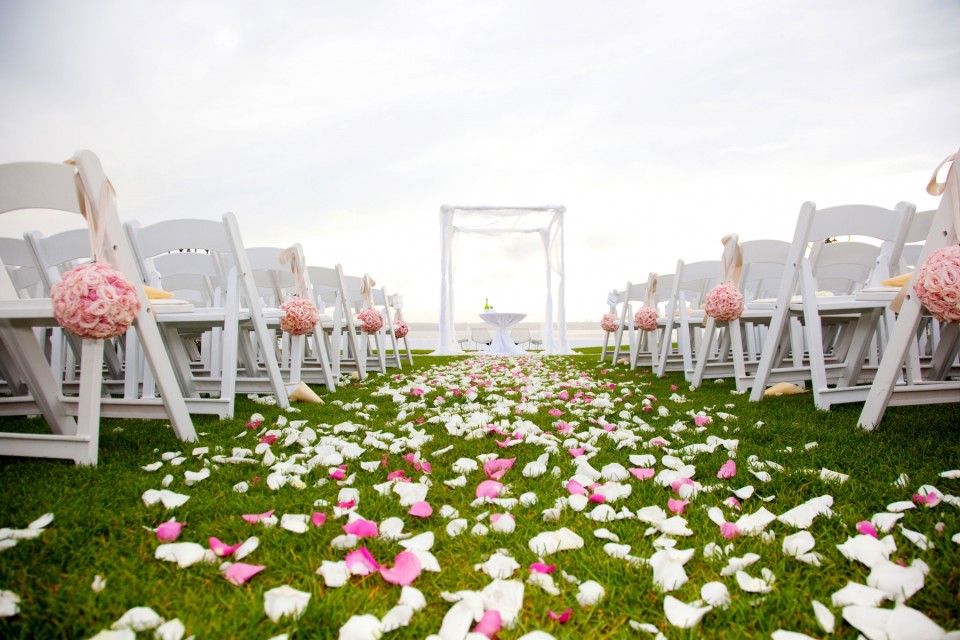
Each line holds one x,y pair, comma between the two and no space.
83,189
329,290
814,226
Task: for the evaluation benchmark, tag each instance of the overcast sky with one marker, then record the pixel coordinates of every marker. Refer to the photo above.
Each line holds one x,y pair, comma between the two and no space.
661,126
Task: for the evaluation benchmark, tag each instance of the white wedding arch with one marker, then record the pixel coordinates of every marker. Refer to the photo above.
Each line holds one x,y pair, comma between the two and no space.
545,221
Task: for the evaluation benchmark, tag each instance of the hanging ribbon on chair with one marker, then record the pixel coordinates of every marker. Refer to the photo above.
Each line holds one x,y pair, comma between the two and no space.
725,302
646,316
937,282
400,328
370,319
300,314
94,300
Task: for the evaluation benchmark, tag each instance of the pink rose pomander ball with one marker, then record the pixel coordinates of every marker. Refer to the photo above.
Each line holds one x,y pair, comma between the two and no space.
609,322
646,319
938,284
724,302
95,301
400,329
300,316
371,320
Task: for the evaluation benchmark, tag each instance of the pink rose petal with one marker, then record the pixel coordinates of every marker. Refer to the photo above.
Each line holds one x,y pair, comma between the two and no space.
421,509
268,439
677,506
489,624
680,482
575,488
642,473
598,497
560,617
361,563
701,421
496,468
169,531
318,519
729,530
254,518
539,567
727,470
406,569
556,413
362,528
866,528
576,453
393,475
222,549
240,572
489,489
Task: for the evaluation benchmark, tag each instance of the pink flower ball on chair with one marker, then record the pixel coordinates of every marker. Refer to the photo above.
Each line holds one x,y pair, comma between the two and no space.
646,319
95,301
300,316
609,322
371,320
724,302
937,284
400,329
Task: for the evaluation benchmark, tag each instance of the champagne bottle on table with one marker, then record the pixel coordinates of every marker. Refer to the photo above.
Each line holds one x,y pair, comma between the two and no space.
486,304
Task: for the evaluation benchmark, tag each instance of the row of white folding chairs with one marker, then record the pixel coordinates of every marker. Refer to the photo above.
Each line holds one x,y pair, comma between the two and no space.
849,330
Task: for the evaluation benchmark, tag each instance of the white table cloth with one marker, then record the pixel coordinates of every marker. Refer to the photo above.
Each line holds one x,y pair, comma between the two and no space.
502,344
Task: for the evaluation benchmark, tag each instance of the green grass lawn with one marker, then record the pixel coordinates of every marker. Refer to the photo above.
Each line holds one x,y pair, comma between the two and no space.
101,524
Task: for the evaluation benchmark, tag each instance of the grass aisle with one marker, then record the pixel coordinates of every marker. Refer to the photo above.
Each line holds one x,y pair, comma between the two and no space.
456,427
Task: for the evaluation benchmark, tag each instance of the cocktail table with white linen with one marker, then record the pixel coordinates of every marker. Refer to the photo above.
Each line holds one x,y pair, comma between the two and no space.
502,344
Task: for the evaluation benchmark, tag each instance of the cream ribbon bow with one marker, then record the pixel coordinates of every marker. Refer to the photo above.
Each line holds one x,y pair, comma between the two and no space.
93,212
651,294
366,290
291,255
731,261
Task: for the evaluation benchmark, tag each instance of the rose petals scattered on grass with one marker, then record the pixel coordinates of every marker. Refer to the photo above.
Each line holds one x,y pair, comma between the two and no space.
361,563
421,510
285,601
683,615
239,572
361,528
169,531
254,518
406,569
138,619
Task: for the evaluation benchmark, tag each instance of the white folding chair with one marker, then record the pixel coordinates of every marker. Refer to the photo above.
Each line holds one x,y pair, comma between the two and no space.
481,336
395,302
857,320
935,386
277,282
329,291
75,422
235,323
645,349
760,268
615,300
684,316
639,341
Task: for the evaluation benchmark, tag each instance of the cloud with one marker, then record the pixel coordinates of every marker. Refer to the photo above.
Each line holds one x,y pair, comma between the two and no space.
344,126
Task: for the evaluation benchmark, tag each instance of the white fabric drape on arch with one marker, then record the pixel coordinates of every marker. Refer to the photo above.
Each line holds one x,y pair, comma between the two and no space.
545,221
